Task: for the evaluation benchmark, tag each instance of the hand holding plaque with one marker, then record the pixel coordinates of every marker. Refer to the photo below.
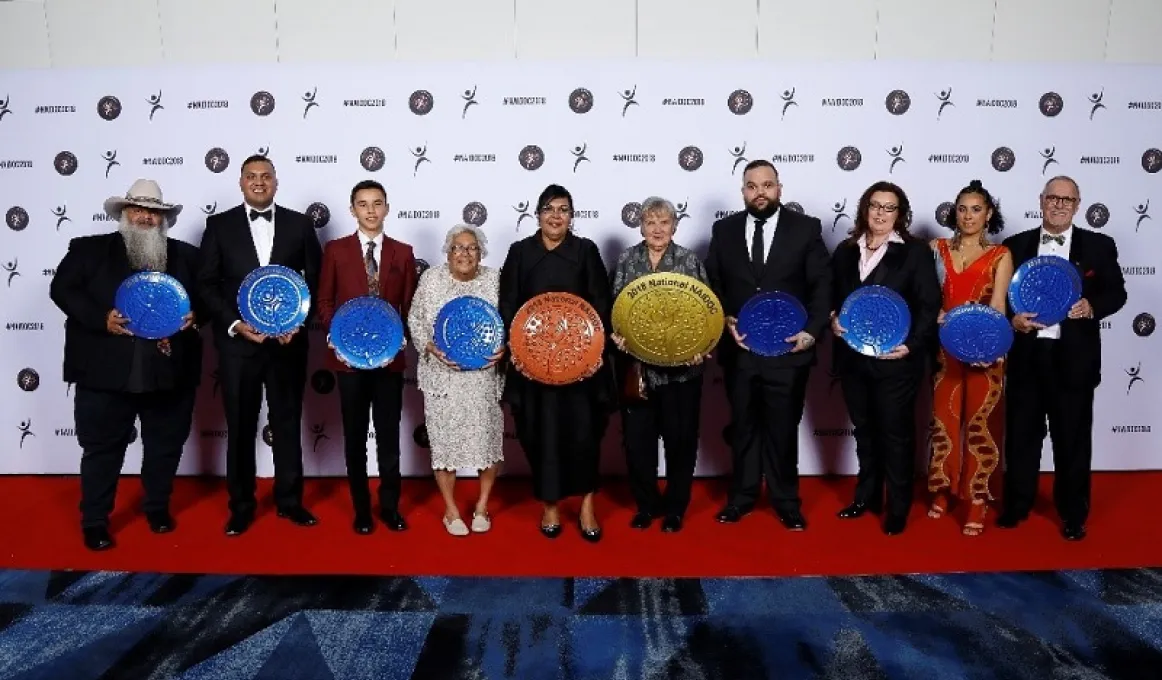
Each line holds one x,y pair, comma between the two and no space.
667,319
557,339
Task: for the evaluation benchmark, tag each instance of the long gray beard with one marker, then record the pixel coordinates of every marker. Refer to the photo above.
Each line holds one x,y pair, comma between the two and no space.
146,247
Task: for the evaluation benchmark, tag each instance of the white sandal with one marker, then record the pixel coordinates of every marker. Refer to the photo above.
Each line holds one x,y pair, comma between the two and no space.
481,523
456,527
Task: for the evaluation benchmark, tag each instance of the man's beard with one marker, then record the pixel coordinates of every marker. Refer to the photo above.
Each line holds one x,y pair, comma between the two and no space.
146,247
765,213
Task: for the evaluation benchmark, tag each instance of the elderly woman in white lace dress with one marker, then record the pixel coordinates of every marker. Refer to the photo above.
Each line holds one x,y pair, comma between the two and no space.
462,407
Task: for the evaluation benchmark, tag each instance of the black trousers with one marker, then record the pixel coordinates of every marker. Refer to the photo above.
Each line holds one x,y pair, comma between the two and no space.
671,411
766,408
881,402
282,371
363,396
104,423
1036,392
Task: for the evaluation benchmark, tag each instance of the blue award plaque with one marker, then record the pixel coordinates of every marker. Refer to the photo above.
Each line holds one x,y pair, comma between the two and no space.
274,300
768,319
876,318
1046,285
154,303
469,330
366,332
975,333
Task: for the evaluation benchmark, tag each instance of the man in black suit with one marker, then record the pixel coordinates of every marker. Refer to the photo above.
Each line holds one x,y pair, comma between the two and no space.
768,248
236,242
119,377
1053,371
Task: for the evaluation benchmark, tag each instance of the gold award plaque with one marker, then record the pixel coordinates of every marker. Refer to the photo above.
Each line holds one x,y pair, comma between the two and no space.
668,319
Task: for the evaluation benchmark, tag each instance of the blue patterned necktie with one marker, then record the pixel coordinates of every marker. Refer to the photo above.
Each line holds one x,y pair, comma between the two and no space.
372,270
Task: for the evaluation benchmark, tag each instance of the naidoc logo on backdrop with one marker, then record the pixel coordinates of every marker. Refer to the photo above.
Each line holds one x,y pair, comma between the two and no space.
309,101
1135,374
897,102
788,99
420,153
16,218
61,213
209,208
740,102
896,153
579,156
4,110
1144,325
323,381
849,158
1051,104
65,163
581,100
12,269
1095,102
319,214
469,98
840,210
943,213
631,215
1097,215
372,159
523,213
531,157
108,107
1047,155
794,207
110,158
28,379
690,158
628,98
319,430
1152,160
421,266
475,214
738,153
1143,212
420,436
681,214
945,99
268,435
217,160
25,428
262,103
154,101
421,102
1003,159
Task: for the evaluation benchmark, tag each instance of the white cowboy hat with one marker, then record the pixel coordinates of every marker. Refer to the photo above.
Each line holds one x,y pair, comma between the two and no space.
144,193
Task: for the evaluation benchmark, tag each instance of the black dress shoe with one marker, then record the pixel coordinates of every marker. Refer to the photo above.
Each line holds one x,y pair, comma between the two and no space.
857,509
641,520
672,524
591,535
239,522
1010,520
299,515
363,523
551,530
731,514
97,538
1073,531
894,525
160,522
393,520
792,519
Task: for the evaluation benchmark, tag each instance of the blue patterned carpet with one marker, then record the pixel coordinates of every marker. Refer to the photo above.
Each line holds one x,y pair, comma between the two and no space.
75,625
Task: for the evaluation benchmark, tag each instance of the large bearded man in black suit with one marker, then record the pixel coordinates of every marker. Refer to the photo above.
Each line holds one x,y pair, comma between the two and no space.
768,248
236,242
120,377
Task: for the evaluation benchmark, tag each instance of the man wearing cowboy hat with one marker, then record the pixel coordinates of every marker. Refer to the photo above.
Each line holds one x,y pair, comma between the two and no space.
120,377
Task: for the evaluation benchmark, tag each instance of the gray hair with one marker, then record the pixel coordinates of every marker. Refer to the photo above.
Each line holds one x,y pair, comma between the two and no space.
477,232
1063,178
655,204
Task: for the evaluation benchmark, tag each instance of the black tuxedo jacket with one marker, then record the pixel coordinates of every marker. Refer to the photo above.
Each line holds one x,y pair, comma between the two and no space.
797,264
84,288
1102,284
228,255
909,268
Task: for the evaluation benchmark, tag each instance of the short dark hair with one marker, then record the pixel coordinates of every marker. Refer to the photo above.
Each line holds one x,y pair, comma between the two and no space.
551,193
256,158
759,163
367,184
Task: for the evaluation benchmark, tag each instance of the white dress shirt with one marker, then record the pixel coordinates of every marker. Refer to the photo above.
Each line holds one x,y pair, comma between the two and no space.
364,239
262,234
868,259
768,233
1060,250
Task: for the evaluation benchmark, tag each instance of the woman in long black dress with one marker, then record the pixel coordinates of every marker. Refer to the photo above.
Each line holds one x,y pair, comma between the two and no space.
560,428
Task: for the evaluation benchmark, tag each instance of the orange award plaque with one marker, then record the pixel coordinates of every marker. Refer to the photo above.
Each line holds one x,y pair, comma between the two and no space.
557,339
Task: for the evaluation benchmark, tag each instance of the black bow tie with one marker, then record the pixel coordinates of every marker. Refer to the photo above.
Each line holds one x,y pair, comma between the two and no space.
1046,238
265,214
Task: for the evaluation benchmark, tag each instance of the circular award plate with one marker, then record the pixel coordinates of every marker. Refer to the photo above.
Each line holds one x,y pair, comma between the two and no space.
768,319
154,303
469,331
274,299
975,333
876,319
1046,285
667,319
367,332
556,338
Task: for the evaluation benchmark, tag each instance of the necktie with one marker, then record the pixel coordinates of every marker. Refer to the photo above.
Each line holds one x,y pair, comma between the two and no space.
1046,238
265,214
756,245
372,270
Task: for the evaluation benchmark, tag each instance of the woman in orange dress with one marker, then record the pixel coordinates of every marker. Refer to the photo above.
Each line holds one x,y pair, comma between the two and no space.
965,451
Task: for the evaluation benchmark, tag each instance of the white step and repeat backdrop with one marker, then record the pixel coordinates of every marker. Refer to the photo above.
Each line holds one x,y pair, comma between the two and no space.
475,142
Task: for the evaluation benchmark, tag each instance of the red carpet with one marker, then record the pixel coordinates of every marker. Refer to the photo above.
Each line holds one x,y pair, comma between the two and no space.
40,531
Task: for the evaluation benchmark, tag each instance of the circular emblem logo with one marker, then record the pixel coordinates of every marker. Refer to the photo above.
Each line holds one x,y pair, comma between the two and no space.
108,107
1097,216
531,157
849,158
421,266
267,435
319,214
944,214
323,381
794,207
631,215
1152,161
1144,325
65,163
690,158
217,160
581,100
262,103
897,102
372,159
1050,104
421,102
420,436
1003,159
740,102
475,214
28,379
16,218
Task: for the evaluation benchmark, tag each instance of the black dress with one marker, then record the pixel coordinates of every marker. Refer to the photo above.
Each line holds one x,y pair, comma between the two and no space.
560,428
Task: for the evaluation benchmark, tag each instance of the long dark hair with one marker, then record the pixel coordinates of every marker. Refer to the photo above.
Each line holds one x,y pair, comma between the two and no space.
903,212
996,222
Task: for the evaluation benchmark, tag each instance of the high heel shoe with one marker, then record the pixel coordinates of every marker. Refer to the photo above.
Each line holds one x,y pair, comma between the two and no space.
551,530
974,524
591,535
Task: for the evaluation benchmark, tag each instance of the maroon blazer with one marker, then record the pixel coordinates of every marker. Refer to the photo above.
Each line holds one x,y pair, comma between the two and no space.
343,277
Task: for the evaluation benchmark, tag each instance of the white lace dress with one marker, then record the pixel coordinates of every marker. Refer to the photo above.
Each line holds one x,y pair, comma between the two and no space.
462,408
